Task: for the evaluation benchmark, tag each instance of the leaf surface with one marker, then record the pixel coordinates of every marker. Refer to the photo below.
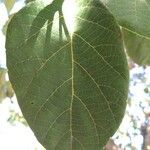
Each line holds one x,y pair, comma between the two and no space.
138,47
133,15
71,80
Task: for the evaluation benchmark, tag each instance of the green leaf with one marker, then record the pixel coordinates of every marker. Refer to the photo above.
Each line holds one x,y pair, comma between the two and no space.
138,47
9,4
133,15
70,84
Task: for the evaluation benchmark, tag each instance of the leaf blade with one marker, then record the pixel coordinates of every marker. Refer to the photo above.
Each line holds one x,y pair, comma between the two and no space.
60,73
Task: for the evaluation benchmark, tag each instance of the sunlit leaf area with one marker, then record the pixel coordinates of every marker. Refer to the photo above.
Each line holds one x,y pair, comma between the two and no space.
15,134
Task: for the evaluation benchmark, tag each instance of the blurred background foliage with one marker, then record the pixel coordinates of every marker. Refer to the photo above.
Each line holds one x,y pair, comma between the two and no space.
134,132
5,86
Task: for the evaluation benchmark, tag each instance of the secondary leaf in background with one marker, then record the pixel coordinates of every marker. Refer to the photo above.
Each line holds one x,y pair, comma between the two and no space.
131,14
138,47
5,86
9,4
2,83
71,86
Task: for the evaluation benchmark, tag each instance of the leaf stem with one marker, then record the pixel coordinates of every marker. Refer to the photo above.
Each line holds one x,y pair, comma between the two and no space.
64,25
60,26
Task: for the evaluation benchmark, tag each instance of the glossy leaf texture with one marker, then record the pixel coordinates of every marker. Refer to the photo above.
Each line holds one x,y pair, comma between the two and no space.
133,15
69,72
138,47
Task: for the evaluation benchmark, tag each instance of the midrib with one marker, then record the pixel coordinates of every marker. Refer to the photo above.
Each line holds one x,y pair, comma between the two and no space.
72,73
